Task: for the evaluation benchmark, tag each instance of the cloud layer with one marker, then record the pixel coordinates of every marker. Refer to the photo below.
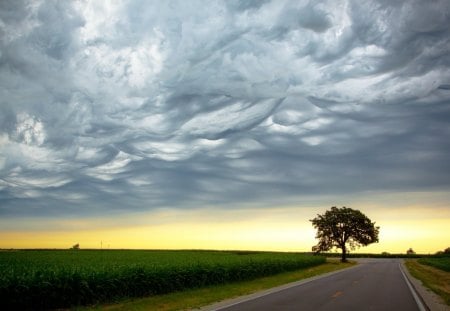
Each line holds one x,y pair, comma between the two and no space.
135,105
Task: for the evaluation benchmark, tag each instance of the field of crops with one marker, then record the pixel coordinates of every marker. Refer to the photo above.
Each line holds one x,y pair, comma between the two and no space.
442,263
59,279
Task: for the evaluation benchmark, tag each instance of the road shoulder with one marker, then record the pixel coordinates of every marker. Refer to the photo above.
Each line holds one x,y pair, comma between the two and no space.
432,301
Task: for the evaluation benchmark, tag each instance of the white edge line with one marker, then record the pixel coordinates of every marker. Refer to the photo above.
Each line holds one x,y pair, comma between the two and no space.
413,291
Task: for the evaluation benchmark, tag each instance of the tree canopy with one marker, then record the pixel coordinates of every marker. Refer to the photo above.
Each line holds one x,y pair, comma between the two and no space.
342,228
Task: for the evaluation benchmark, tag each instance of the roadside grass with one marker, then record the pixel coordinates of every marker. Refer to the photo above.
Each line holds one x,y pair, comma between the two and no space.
435,279
196,298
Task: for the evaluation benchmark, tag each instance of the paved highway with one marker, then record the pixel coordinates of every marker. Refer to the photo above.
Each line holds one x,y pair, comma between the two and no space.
375,284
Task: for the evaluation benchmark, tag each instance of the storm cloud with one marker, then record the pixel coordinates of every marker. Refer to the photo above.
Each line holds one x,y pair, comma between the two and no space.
136,105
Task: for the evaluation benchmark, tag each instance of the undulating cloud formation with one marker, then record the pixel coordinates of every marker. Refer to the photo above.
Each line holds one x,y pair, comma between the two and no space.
114,106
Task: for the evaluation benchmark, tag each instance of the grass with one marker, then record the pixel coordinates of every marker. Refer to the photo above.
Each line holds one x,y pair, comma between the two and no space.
196,298
62,279
435,279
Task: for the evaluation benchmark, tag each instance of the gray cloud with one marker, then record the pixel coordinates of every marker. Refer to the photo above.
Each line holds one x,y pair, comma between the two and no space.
140,105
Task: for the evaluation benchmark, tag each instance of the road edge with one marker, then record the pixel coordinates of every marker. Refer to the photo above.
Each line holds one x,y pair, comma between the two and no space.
234,301
429,299
417,297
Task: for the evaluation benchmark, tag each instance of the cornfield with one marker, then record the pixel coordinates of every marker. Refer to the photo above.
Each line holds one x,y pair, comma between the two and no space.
442,263
60,279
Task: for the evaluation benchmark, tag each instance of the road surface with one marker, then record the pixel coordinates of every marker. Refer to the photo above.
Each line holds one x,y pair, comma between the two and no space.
375,284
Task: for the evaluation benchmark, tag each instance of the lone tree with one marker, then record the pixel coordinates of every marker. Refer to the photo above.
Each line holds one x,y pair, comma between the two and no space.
344,226
410,251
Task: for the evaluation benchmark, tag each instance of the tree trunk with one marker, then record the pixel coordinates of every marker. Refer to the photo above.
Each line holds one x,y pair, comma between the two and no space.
344,254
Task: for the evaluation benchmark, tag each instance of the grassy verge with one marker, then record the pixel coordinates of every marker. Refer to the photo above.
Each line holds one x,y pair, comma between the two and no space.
196,298
435,279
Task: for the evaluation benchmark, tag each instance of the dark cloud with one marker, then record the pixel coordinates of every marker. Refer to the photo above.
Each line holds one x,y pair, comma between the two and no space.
111,107
444,87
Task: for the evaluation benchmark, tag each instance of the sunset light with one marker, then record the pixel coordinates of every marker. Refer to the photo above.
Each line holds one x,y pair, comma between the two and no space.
224,124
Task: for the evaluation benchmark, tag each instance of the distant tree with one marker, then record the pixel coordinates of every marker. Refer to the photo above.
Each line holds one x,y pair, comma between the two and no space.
445,252
410,251
343,228
76,246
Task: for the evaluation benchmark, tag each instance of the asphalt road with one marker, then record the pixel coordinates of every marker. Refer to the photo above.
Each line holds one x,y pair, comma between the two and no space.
375,284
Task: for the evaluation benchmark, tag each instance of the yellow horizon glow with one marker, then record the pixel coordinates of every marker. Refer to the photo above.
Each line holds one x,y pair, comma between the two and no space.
269,229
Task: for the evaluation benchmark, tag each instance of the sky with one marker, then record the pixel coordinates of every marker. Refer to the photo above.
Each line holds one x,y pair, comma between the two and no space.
223,124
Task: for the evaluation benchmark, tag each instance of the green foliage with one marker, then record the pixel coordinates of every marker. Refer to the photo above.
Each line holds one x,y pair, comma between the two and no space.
442,263
344,226
60,279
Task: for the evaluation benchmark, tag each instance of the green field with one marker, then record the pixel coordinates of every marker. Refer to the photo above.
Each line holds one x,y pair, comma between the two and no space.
60,279
442,263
